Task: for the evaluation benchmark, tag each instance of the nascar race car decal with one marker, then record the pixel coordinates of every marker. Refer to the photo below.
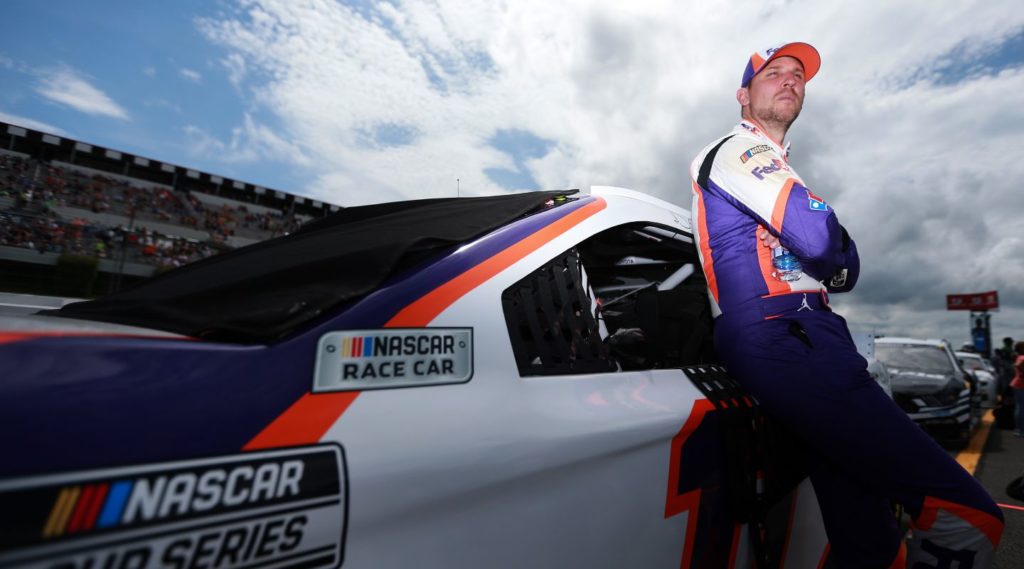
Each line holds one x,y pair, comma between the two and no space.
396,357
248,509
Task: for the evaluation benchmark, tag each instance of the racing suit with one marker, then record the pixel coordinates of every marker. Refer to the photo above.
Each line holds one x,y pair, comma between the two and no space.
782,341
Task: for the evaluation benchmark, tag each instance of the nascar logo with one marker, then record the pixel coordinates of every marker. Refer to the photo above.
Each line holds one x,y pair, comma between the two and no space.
752,151
398,357
83,508
406,345
254,509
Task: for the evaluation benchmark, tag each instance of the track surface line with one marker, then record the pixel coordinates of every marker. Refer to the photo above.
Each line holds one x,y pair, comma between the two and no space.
969,457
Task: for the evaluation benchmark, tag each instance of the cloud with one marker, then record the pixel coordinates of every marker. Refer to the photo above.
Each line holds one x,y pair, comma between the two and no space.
66,86
236,68
907,129
149,71
31,123
249,143
191,75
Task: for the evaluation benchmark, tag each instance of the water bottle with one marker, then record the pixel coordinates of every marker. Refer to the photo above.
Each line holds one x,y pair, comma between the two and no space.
787,266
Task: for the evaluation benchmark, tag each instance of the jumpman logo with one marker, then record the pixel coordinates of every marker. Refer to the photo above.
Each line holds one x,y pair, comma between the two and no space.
804,305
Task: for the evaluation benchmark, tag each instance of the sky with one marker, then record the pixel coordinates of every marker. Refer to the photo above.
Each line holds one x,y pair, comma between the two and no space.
912,130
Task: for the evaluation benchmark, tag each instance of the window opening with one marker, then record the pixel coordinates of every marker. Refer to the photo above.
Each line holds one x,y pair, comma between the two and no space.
631,297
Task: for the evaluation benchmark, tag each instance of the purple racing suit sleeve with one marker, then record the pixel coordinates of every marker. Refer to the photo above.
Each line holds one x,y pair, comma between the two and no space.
765,187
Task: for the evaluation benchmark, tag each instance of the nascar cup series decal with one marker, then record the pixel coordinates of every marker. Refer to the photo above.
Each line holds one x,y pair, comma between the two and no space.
393,357
260,509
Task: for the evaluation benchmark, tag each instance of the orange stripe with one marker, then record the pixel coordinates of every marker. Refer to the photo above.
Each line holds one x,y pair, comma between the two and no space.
985,523
55,523
757,60
900,562
705,246
764,260
690,501
824,555
65,515
735,547
312,415
789,528
780,205
422,311
674,503
305,421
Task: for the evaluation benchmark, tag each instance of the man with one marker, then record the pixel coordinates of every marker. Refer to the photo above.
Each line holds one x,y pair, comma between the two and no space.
776,333
1003,361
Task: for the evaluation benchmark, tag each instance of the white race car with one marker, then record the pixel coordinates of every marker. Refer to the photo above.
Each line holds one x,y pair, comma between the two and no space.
516,381
984,376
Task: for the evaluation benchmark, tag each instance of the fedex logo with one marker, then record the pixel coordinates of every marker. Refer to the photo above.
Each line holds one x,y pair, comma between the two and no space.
761,171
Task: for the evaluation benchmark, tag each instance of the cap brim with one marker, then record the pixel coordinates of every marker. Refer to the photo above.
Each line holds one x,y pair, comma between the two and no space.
804,53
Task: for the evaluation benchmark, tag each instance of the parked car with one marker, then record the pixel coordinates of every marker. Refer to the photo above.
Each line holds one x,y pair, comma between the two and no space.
880,373
513,381
865,342
928,383
984,376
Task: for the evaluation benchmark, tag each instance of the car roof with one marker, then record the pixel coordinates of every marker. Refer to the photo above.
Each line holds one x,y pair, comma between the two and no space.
968,355
911,341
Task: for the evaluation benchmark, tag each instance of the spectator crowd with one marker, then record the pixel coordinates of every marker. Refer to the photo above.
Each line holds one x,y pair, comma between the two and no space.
34,194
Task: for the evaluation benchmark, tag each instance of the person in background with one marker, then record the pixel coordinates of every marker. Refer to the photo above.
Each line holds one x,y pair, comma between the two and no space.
1003,361
1017,384
772,251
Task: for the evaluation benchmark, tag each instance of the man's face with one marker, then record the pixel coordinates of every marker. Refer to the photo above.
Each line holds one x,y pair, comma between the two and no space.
776,94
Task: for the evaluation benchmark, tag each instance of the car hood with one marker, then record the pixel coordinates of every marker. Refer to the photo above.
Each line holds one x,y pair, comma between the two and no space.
914,381
983,375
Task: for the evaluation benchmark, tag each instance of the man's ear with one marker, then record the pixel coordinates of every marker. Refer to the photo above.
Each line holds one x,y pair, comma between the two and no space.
743,96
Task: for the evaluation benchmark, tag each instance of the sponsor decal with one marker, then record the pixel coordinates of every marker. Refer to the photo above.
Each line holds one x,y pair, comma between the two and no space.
752,151
816,203
776,165
274,508
394,357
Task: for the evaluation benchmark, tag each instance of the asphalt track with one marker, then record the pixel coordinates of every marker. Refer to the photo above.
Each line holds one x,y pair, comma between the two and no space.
996,457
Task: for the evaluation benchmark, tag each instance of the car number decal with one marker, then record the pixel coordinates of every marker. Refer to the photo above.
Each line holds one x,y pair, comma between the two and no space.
394,357
272,508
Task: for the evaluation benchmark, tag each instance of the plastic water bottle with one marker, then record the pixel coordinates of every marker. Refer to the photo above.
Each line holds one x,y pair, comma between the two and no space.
787,266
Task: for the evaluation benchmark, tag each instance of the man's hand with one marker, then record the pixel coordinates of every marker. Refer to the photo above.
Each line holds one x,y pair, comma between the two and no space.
770,241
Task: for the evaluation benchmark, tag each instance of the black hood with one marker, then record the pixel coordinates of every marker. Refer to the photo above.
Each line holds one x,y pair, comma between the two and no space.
262,292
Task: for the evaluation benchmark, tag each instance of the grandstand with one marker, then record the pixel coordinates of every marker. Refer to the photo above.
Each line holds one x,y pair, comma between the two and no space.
135,216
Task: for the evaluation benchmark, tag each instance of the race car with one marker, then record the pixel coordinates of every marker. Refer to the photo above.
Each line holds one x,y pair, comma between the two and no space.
929,384
984,376
513,381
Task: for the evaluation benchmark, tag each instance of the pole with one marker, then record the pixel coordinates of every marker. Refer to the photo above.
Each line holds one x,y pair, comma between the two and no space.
116,282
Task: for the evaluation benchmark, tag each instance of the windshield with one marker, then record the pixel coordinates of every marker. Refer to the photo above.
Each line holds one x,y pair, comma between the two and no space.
929,359
972,364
